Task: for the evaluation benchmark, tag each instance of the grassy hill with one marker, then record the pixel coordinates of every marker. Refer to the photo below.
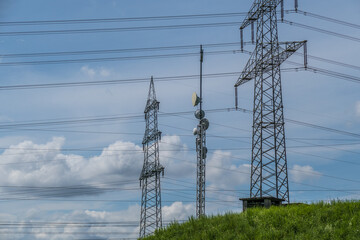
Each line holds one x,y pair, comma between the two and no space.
336,220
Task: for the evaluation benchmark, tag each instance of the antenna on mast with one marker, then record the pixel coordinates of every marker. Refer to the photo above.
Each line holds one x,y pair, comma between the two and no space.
201,150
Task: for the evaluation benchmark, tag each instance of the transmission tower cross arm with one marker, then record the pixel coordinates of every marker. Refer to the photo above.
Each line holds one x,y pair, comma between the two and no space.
256,9
254,67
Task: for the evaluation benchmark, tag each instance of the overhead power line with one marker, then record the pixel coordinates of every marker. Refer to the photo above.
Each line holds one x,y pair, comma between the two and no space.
171,78
321,30
105,51
131,19
127,19
116,81
151,49
121,29
107,59
144,49
334,74
334,20
328,129
122,117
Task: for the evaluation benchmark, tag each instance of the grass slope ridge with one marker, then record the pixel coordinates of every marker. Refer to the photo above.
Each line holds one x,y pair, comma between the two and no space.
335,220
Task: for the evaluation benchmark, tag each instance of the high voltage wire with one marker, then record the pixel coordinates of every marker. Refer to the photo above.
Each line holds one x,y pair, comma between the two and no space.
356,135
165,79
334,20
161,48
326,60
102,20
106,59
128,58
175,78
118,81
101,148
334,74
173,17
98,119
119,29
102,51
166,27
117,117
316,29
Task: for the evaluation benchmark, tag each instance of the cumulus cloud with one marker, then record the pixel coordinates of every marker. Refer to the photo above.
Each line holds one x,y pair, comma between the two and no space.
175,157
43,166
303,173
61,225
218,178
178,211
84,224
51,172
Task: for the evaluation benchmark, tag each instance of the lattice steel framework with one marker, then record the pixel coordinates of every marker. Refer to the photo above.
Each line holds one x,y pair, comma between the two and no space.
151,218
269,175
201,149
200,175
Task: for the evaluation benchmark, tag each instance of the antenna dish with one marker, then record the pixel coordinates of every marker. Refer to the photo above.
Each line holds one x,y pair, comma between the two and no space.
205,150
195,99
205,123
195,131
199,114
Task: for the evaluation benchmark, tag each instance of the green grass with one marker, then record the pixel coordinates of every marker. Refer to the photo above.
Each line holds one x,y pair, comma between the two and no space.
335,220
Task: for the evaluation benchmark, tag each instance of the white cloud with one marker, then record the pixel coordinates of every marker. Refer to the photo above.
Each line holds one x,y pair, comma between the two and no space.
219,177
178,211
98,72
303,173
175,157
90,72
44,165
63,227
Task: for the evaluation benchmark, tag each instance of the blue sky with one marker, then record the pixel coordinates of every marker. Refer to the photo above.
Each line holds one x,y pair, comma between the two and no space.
104,159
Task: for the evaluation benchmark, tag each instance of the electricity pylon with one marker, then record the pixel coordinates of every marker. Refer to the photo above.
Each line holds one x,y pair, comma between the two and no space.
151,218
201,150
269,174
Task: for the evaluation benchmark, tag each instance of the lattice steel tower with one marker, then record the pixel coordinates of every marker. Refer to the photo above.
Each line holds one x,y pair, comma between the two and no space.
151,218
269,175
201,150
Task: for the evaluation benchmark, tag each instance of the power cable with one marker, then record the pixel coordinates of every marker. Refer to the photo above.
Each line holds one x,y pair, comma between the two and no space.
337,21
123,50
131,19
304,26
122,29
106,59
117,81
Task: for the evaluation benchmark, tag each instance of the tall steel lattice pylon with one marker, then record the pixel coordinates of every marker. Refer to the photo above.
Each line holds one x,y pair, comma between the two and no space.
269,175
151,218
201,150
